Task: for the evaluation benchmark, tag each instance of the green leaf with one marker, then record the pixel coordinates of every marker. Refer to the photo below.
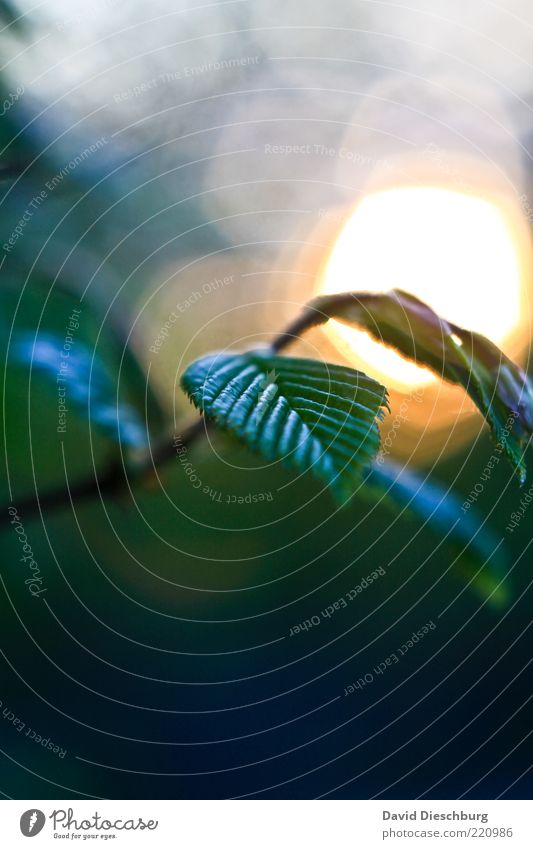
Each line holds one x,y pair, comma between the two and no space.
500,389
312,416
479,556
87,385
108,328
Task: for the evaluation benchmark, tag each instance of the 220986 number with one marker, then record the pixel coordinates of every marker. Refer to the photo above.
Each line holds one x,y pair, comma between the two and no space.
491,832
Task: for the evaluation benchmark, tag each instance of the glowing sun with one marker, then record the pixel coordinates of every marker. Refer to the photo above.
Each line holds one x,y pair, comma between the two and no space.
458,252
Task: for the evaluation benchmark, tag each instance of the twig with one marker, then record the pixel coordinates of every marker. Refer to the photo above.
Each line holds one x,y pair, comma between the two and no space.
311,316
114,479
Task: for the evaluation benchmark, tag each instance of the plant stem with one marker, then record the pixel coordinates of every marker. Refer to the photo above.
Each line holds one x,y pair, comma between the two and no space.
308,318
114,479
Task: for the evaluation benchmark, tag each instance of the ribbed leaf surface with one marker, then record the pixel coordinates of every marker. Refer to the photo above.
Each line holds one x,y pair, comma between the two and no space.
311,416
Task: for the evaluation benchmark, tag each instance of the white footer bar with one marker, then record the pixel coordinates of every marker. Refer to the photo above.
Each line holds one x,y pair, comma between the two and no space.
268,824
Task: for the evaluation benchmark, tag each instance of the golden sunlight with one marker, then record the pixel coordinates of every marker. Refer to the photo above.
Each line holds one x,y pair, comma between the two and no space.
456,251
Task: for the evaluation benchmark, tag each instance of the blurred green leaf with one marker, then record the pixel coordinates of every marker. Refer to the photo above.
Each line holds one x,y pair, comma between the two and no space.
53,290
312,416
480,558
87,384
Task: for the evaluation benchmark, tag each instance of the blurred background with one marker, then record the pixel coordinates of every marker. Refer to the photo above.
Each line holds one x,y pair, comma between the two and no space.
182,178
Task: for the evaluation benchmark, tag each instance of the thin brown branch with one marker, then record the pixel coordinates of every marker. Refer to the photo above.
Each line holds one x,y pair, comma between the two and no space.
308,318
114,479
